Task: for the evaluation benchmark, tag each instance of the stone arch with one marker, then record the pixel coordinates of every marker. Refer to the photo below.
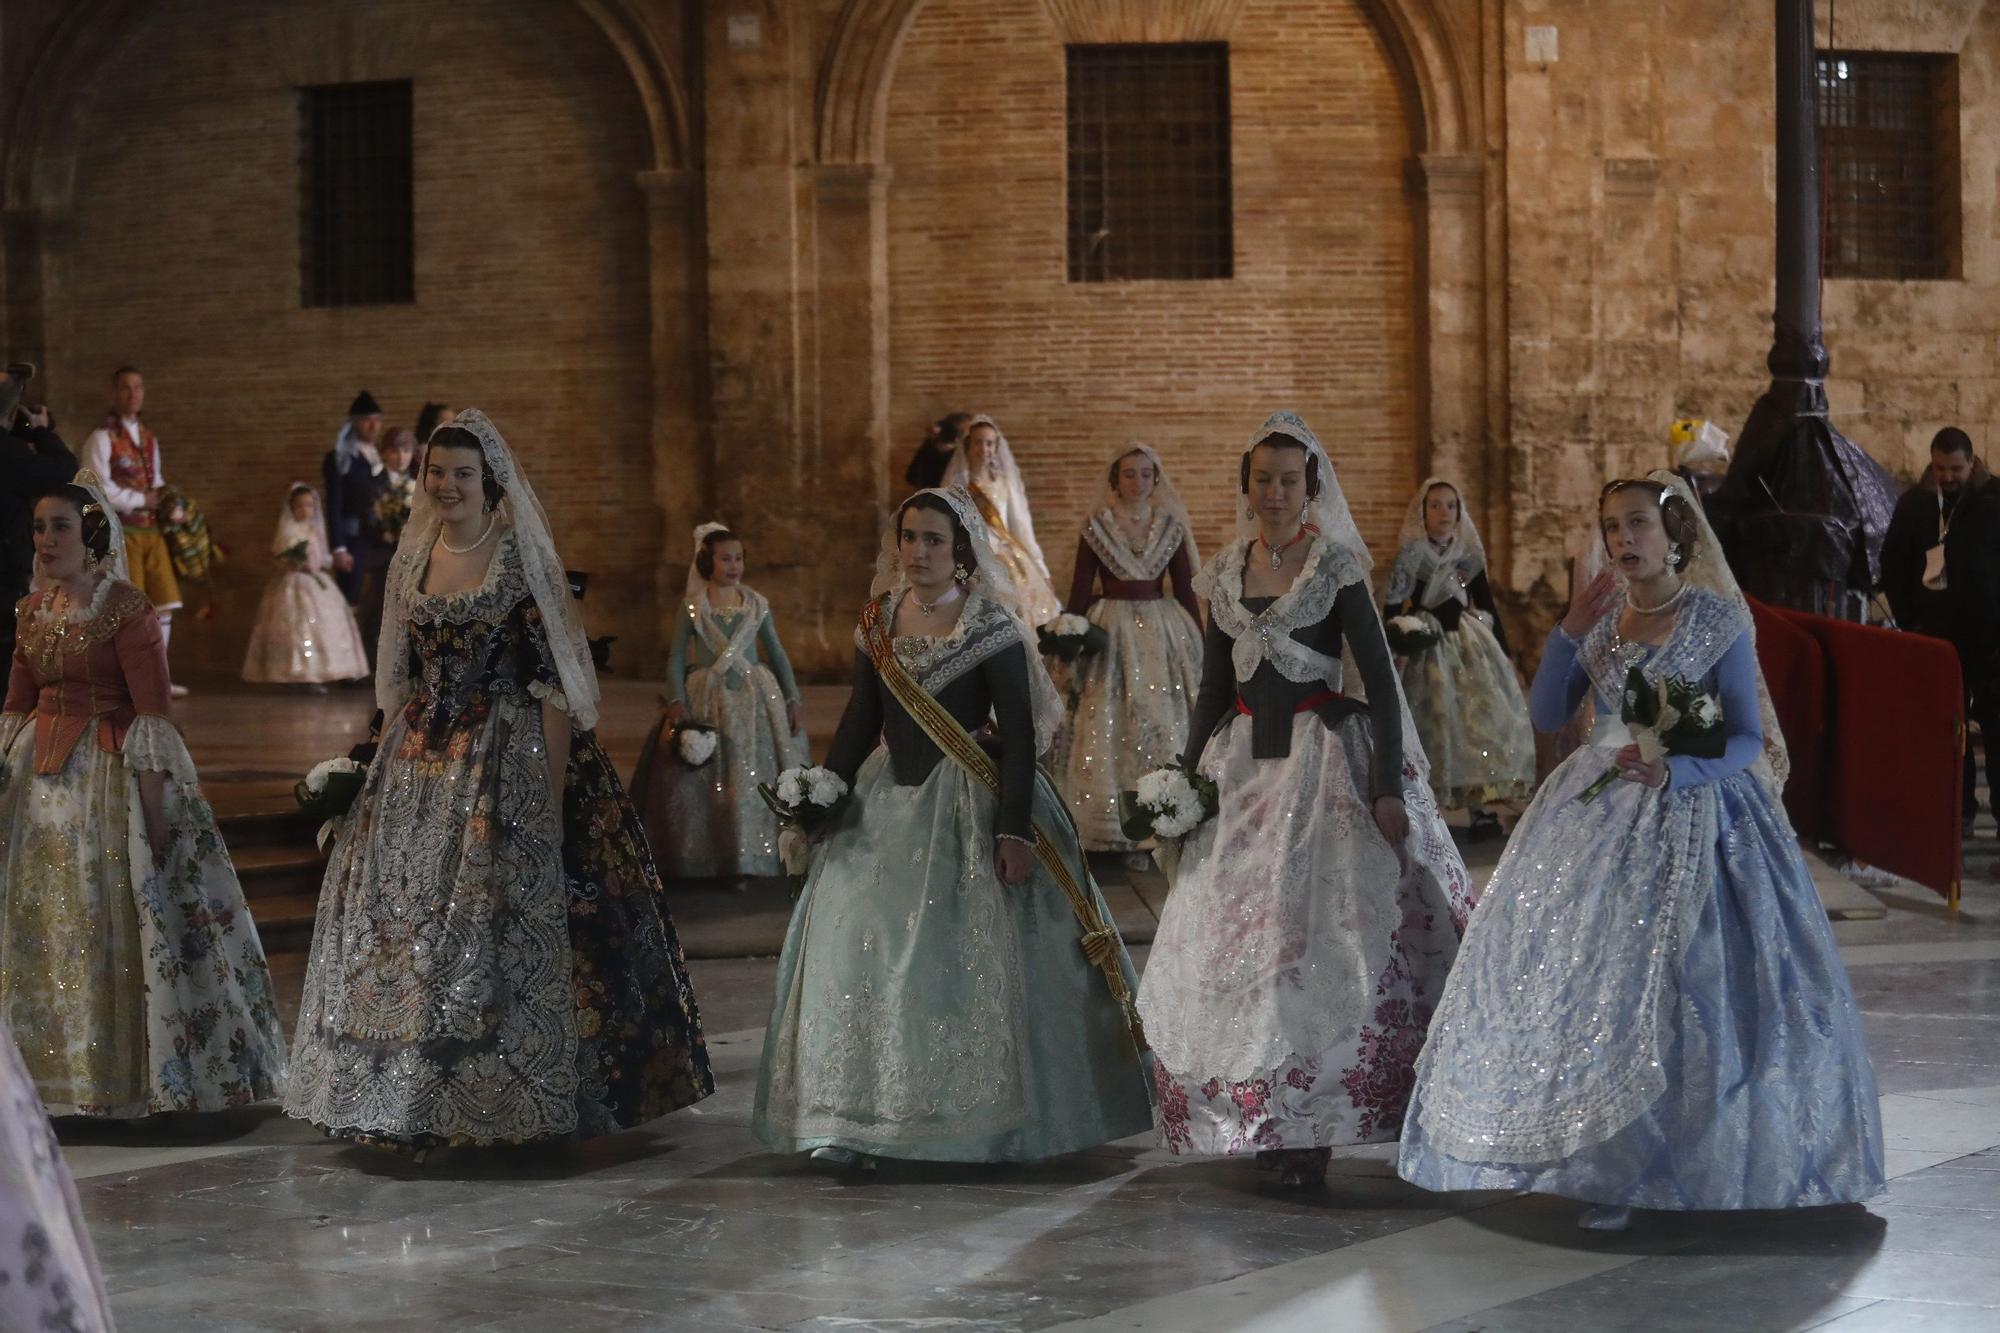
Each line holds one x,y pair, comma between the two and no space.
853,92
33,171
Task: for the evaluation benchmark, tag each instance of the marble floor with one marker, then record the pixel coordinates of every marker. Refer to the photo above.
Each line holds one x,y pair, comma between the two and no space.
250,1222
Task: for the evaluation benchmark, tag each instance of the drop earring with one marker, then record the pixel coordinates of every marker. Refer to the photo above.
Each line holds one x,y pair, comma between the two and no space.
1674,554
961,574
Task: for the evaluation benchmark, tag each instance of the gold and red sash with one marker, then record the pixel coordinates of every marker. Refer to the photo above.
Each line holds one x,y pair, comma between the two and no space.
1100,942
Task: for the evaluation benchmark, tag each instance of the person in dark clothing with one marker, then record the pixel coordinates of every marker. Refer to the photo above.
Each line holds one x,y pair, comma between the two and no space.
33,462
1941,574
934,455
350,468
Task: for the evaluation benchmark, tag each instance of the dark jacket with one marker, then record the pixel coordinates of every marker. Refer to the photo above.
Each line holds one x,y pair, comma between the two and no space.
33,462
1967,610
350,503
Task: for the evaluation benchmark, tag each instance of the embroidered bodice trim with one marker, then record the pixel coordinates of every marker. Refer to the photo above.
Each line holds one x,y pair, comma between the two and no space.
984,628
1420,564
79,629
1266,635
498,593
1706,625
1147,561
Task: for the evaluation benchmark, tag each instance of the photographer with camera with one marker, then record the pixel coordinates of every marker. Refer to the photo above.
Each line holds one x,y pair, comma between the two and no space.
33,462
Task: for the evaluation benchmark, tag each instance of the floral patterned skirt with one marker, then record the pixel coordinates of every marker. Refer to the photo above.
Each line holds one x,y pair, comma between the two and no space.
1471,716
1133,707
48,1268
135,990
1298,959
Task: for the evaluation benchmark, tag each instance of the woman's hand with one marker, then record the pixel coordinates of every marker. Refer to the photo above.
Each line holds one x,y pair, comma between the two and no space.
159,837
1392,819
1013,860
1588,606
153,807
677,713
792,716
1635,767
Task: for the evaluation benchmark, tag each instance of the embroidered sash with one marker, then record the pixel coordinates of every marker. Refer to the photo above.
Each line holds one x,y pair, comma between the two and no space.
1100,940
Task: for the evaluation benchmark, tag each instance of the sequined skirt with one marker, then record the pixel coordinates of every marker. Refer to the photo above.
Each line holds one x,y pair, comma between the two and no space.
1471,716
135,989
924,1009
48,1268
1770,1098
305,634
1133,705
709,822
1292,977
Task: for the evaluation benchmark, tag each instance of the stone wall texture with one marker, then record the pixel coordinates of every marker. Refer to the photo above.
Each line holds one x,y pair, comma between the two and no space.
726,257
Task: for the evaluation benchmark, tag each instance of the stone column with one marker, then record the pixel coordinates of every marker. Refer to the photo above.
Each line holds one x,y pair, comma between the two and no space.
683,480
1451,333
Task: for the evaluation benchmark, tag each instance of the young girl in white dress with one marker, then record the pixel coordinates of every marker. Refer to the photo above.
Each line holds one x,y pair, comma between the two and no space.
305,632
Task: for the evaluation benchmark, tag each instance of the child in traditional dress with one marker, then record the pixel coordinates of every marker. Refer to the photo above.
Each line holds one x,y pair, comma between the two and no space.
305,632
728,676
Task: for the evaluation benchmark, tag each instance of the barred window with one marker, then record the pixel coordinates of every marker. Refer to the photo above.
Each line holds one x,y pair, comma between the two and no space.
357,229
1888,125
1149,187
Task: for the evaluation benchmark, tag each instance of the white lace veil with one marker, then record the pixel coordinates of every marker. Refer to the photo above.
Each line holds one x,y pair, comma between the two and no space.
1443,570
114,564
1004,472
1709,569
520,513
1166,496
312,531
697,583
989,581
1327,511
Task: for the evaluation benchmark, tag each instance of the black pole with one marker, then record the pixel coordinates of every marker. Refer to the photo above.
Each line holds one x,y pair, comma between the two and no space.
1803,510
1798,358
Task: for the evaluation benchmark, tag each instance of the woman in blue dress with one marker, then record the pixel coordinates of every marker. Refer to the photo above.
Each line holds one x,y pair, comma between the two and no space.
950,989
1648,1009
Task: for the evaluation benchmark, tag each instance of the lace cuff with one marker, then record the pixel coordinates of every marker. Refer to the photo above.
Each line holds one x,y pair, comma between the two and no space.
153,746
1014,837
553,694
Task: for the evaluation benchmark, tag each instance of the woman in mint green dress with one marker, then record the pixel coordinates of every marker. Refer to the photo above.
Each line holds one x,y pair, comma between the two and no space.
950,989
727,671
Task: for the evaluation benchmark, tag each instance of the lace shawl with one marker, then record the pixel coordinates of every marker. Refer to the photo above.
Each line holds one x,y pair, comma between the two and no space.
936,660
1145,564
1266,635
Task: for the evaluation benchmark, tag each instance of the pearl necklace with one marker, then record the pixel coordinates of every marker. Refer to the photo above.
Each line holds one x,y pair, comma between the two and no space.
1667,605
477,542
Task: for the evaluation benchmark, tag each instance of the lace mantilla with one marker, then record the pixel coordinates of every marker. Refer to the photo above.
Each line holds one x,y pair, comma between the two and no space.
1134,564
1266,636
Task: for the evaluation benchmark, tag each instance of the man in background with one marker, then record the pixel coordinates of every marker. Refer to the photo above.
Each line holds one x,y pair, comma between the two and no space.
125,455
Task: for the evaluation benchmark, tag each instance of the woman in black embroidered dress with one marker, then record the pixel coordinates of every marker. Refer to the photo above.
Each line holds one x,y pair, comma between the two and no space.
492,962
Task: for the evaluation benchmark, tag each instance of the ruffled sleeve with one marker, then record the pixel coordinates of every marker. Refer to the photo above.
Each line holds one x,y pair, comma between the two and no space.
142,659
153,746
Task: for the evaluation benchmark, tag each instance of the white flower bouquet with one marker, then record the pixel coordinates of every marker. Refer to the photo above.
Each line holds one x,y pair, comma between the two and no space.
1168,804
1410,636
1069,637
695,743
327,791
805,800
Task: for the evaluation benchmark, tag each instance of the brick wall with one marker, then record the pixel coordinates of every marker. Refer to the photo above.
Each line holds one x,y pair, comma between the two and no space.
531,271
1318,316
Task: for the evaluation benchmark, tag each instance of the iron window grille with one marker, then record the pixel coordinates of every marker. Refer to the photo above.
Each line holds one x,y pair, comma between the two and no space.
357,227
1888,124
1149,171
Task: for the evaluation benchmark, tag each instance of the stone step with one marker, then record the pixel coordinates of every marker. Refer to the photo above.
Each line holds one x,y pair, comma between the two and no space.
285,922
275,870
